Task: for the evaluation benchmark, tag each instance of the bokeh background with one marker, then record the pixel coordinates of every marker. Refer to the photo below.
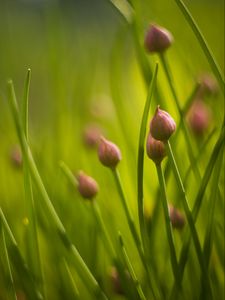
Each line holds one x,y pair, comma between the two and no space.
85,74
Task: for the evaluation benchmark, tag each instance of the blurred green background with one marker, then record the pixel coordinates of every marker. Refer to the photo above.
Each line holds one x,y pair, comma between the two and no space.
84,70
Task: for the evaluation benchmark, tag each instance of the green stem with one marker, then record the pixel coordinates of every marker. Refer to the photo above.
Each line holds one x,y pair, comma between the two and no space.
12,291
173,256
140,165
103,229
208,53
82,268
31,233
133,230
71,280
182,122
190,220
19,263
199,198
131,269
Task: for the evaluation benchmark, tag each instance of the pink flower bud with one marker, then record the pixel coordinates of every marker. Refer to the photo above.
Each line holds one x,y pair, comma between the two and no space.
176,218
162,125
16,156
208,85
157,39
91,136
199,118
115,281
156,150
109,154
87,186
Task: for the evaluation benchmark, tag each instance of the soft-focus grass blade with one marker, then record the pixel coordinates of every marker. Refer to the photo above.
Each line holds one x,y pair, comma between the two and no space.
102,227
169,233
74,289
19,263
208,53
82,268
207,245
198,200
190,149
125,9
190,220
9,279
140,164
131,269
31,234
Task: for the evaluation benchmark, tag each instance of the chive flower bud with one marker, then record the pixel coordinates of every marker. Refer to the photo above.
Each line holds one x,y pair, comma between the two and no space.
16,156
208,85
91,135
176,218
199,118
162,125
157,39
87,186
156,150
108,153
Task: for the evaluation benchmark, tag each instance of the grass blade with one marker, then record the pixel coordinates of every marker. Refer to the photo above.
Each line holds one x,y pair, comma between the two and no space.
31,234
190,220
140,165
208,53
169,233
82,268
19,263
9,278
131,269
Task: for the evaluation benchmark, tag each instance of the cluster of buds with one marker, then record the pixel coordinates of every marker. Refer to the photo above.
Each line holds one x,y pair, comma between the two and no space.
157,39
162,126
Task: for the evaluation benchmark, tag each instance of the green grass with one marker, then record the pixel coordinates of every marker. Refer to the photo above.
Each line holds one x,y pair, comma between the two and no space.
76,65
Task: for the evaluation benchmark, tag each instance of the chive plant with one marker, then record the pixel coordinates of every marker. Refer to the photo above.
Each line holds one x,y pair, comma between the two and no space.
171,220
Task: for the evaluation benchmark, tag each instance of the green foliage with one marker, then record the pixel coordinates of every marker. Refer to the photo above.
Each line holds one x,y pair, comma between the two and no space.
91,76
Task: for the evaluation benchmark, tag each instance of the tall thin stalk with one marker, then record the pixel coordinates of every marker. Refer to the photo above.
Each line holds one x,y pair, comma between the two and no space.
81,267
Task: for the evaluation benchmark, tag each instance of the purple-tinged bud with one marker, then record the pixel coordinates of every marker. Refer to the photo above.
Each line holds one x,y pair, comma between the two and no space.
208,85
115,282
91,136
109,154
87,186
156,150
162,125
16,156
176,218
199,118
157,39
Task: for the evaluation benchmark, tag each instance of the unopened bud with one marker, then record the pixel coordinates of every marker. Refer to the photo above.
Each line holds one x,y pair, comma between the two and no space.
115,281
87,186
162,125
16,156
91,135
156,150
157,39
176,218
199,118
109,154
208,85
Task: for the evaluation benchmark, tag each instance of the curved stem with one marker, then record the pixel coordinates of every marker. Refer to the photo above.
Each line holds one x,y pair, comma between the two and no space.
183,125
131,269
173,256
190,220
208,53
